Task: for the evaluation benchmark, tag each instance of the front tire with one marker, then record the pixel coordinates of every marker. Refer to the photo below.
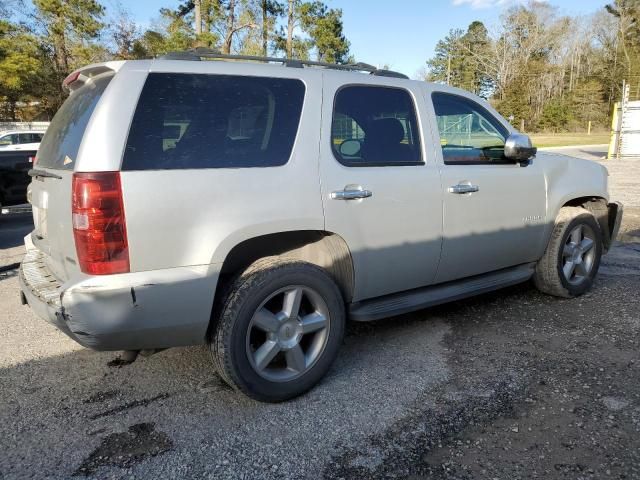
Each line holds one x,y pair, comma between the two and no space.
572,258
279,330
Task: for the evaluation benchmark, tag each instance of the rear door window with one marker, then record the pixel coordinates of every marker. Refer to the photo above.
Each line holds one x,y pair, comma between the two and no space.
375,126
186,121
60,145
26,138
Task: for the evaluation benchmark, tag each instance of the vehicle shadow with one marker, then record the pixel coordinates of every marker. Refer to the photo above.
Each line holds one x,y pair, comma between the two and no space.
384,366
13,229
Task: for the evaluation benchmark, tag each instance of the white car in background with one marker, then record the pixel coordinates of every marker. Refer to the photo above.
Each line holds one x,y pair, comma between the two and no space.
20,140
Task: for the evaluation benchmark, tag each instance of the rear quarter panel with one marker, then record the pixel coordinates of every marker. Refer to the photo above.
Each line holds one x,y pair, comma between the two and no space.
195,217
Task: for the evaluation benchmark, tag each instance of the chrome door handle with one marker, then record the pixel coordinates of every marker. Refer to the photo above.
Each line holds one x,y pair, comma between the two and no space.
351,194
464,188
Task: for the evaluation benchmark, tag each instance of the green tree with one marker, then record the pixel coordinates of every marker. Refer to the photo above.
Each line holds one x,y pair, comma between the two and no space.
68,31
19,66
325,29
271,11
458,59
66,22
322,29
172,33
556,116
476,46
625,61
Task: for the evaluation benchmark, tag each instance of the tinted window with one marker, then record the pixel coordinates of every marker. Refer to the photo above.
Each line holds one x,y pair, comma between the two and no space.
61,142
468,132
26,138
12,139
213,121
375,126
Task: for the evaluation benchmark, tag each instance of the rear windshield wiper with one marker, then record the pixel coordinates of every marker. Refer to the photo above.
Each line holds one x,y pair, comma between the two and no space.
34,172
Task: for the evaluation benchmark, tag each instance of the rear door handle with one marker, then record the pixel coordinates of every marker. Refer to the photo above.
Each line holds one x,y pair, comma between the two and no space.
464,188
351,193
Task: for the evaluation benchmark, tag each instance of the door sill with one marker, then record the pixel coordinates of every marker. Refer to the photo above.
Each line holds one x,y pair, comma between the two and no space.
419,298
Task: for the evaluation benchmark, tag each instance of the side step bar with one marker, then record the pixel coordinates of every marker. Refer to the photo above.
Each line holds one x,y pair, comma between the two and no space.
417,299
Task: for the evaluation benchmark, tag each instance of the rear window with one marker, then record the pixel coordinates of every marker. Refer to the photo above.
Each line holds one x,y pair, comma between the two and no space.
60,145
187,121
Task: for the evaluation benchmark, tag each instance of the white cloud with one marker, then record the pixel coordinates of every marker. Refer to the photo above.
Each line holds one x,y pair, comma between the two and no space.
478,4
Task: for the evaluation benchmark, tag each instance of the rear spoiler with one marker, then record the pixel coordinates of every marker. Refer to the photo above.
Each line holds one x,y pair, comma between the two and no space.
81,76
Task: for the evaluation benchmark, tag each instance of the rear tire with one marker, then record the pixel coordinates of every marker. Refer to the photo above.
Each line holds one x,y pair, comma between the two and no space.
279,330
572,258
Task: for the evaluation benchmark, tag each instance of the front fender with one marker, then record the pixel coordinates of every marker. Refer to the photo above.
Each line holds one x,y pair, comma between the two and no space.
569,179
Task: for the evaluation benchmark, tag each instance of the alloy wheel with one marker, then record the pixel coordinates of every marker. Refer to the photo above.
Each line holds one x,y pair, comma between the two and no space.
288,333
578,254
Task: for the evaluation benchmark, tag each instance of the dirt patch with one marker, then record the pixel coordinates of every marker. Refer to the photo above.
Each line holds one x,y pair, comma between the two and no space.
126,448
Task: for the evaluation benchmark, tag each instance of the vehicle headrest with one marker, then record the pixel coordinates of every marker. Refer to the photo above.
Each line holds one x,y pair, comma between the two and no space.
386,130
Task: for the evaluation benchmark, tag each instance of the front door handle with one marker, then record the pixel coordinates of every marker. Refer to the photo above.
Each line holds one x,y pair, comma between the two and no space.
351,193
464,188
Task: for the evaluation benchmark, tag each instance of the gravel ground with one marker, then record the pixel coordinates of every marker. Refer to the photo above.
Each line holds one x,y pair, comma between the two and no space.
509,385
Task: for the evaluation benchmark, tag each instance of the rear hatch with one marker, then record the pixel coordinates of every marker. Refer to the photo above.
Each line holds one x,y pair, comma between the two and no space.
52,174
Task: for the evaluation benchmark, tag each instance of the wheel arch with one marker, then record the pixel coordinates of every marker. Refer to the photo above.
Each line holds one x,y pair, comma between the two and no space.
598,207
325,249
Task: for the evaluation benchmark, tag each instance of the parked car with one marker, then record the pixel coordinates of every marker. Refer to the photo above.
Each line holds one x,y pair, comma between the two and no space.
255,207
14,177
20,140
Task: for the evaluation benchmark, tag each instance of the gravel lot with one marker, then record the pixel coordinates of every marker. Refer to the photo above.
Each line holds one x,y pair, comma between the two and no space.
509,385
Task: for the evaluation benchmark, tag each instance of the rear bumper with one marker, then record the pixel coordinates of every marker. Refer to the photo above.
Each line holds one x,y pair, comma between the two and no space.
134,311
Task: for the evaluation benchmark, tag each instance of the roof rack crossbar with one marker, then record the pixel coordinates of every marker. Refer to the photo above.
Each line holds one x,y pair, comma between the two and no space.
198,53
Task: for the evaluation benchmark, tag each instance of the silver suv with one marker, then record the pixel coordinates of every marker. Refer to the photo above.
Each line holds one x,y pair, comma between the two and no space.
255,207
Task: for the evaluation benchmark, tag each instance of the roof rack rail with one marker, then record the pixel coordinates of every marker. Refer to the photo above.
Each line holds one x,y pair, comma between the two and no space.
200,53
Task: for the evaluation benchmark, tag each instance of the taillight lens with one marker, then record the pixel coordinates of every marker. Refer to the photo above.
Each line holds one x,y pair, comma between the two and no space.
99,226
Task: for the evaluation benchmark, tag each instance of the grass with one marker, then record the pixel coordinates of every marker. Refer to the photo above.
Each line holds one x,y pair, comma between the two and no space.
567,139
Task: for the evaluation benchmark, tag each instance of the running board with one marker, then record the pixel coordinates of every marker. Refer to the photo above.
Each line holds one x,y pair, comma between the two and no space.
417,299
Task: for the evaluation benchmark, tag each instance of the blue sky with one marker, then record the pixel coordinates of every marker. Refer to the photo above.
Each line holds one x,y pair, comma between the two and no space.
401,34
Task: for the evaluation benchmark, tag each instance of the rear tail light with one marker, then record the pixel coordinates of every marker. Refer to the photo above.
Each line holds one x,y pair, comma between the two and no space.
99,227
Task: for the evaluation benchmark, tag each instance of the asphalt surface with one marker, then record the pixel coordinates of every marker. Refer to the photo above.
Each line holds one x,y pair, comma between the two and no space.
510,385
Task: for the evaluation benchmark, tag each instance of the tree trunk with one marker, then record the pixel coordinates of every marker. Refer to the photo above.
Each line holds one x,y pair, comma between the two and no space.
206,14
290,26
198,15
12,109
265,27
231,20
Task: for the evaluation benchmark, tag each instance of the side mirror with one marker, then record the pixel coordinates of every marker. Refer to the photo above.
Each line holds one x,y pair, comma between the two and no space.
350,148
518,147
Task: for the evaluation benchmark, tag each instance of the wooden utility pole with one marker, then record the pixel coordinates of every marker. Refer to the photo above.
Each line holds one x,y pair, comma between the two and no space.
449,69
